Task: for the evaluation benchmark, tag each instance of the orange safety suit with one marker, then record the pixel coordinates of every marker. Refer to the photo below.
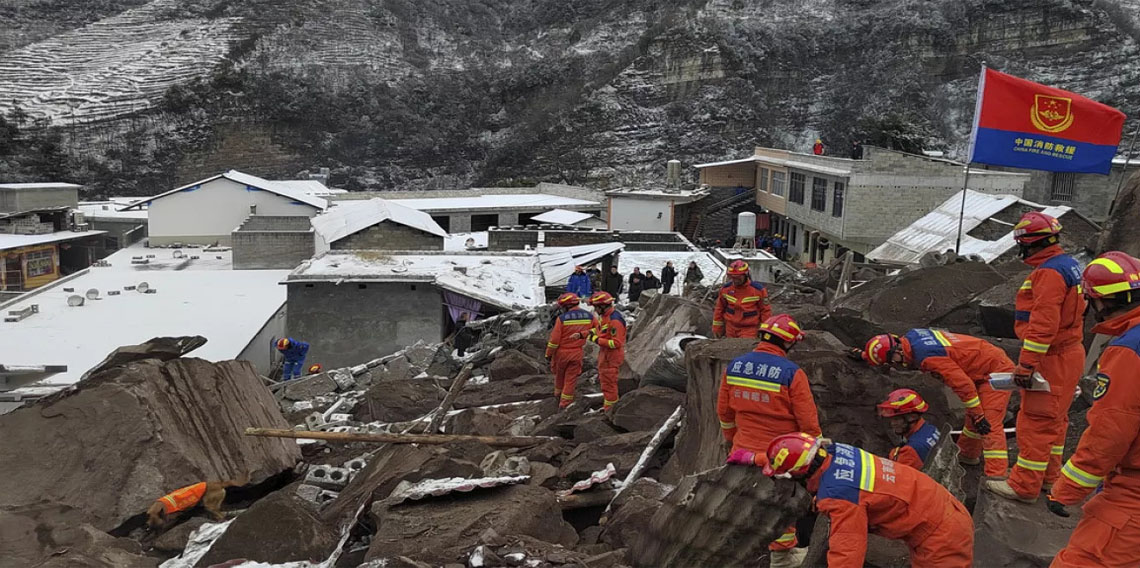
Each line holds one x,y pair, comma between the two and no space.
920,440
564,349
610,337
1049,319
1109,452
863,493
741,309
183,499
964,363
763,395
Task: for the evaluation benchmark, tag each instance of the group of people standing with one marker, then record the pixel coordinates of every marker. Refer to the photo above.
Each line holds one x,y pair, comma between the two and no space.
585,281
774,243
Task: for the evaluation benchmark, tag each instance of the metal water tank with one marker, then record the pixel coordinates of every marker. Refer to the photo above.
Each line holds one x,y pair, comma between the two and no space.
746,225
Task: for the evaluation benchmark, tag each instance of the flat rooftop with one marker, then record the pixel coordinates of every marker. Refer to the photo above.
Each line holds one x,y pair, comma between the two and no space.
496,202
38,185
110,210
20,241
193,297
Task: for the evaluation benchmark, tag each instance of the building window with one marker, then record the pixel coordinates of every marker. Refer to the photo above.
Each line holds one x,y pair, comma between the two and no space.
818,194
764,179
792,233
1063,183
796,189
837,200
40,263
778,181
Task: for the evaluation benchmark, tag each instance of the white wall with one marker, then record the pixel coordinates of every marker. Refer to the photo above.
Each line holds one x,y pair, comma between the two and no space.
640,214
260,350
211,212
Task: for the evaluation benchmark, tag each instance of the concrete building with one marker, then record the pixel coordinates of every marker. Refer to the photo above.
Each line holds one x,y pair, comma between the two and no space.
1089,194
42,237
17,197
239,312
267,242
122,228
479,213
208,211
826,205
377,224
511,238
651,210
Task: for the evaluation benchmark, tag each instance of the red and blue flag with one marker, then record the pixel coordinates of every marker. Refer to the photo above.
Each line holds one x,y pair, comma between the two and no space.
1023,124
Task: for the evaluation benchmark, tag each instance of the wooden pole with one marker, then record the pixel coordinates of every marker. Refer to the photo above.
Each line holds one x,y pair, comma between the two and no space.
650,449
456,386
378,438
595,498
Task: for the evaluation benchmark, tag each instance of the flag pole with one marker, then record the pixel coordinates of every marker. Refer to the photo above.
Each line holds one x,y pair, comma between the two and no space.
1123,170
962,212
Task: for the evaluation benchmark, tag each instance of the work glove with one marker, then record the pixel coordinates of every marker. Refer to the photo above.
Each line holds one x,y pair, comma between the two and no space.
1055,507
592,337
742,457
982,426
1023,376
855,354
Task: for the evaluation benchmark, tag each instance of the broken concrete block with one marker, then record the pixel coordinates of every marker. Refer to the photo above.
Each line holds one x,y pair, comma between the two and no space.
1009,533
541,473
344,380
623,450
314,421
478,422
398,401
356,464
512,389
279,528
310,493
646,408
308,388
511,363
498,464
328,477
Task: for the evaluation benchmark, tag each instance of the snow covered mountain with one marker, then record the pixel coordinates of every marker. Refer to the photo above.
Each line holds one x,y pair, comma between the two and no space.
136,96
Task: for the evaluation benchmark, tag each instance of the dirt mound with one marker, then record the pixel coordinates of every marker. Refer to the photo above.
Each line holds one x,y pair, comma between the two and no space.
56,535
129,435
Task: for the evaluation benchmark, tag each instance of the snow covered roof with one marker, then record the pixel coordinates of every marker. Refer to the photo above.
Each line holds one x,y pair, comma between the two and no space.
562,217
19,241
712,268
558,262
193,297
348,217
458,241
310,187
509,280
284,190
937,231
838,168
508,201
39,185
110,210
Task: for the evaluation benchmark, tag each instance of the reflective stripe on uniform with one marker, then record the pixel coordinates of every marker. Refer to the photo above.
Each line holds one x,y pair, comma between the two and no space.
1031,465
612,344
972,403
727,425
867,473
552,345
1057,450
1080,476
716,323
567,397
753,383
608,403
995,454
730,299
1034,346
786,538
941,337
170,499
967,433
751,299
577,322
1027,285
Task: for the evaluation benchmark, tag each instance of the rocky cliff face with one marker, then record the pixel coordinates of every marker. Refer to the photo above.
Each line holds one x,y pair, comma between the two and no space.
452,93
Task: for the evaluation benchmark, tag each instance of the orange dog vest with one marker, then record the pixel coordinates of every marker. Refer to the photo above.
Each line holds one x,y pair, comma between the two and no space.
184,498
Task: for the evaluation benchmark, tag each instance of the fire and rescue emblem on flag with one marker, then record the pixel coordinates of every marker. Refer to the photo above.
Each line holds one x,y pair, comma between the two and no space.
1051,114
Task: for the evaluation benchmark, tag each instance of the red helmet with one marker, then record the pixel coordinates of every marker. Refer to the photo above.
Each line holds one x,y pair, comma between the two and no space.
790,455
1035,226
902,401
738,268
569,300
601,299
283,343
784,327
879,349
315,368
1112,273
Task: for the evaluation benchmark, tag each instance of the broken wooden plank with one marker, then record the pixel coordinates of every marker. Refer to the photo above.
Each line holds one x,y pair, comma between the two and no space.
379,438
595,498
650,449
440,413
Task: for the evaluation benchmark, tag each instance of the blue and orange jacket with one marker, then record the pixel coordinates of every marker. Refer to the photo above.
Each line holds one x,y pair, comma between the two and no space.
570,323
1109,450
961,361
610,336
763,395
863,493
296,351
1049,308
921,439
743,306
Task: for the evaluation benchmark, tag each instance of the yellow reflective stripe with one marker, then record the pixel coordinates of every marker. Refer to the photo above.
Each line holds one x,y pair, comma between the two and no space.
730,299
548,344
1113,288
867,475
1110,264
577,322
786,538
608,403
967,433
1080,476
1057,450
753,383
751,299
613,345
972,403
170,499
941,337
1034,346
727,425
568,397
1031,465
996,454
1027,285
716,323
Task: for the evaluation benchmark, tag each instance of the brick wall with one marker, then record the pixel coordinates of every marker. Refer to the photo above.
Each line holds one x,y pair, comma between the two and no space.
14,200
272,242
390,236
734,175
1092,193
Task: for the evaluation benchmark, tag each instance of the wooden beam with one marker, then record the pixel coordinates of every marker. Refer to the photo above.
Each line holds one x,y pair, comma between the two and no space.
378,438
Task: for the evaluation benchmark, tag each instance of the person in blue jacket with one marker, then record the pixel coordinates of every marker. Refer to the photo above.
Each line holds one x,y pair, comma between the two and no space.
580,283
294,352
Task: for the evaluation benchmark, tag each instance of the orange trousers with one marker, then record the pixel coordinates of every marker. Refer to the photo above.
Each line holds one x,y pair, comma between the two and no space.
609,363
950,545
567,365
991,447
1109,532
1043,421
748,332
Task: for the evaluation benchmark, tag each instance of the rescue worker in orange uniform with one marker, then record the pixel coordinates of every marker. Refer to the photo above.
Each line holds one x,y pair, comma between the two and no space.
742,304
863,493
903,410
609,335
1109,450
1049,320
964,364
762,395
564,348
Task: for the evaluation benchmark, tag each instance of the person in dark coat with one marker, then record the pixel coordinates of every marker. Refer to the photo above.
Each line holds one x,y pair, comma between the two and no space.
595,275
857,150
650,282
464,336
693,275
668,276
636,284
613,282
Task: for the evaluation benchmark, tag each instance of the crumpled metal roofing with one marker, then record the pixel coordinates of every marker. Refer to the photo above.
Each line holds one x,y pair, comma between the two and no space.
406,491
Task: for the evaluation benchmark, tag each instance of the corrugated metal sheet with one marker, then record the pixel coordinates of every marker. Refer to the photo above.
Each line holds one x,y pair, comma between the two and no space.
562,217
558,262
937,231
348,217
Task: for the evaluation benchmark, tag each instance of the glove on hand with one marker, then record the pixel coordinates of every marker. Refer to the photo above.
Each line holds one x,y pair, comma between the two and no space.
1055,507
855,354
982,426
742,457
1023,376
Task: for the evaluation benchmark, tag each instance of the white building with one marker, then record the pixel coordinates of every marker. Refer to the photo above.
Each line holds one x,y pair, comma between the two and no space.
649,209
207,211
